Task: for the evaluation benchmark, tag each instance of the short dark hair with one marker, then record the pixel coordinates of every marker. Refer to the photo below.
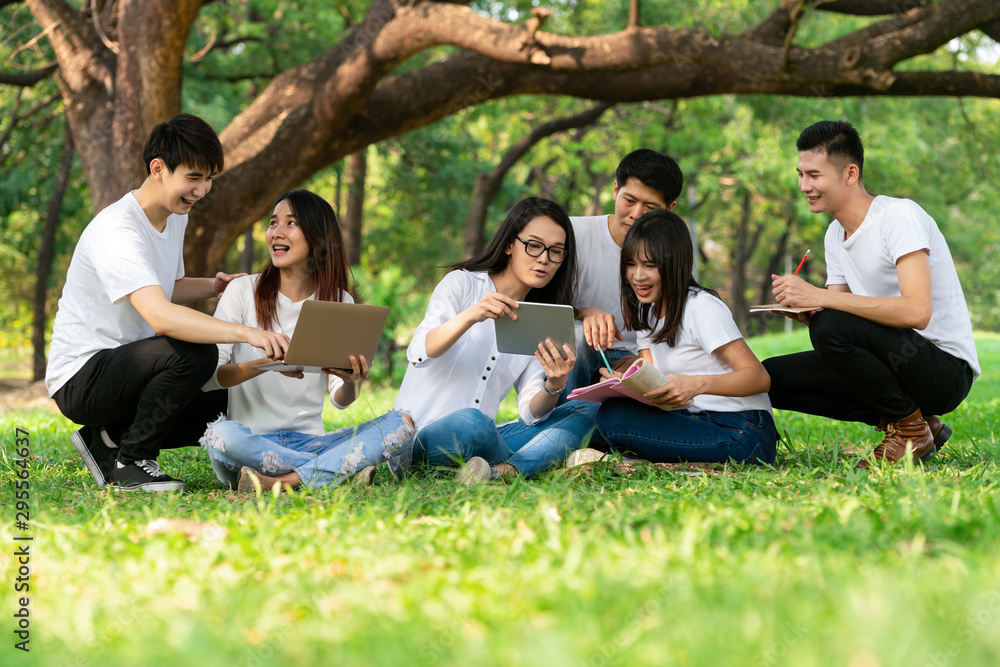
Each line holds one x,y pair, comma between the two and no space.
184,139
662,237
494,259
654,170
838,139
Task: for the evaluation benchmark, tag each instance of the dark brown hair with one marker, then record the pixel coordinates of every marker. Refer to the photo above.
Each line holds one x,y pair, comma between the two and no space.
494,259
327,259
662,237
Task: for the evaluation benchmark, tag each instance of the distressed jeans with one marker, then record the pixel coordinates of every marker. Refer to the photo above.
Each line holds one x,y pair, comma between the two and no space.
319,460
531,449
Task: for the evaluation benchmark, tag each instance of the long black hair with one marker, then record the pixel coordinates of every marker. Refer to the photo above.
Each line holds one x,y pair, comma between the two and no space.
494,259
327,258
661,237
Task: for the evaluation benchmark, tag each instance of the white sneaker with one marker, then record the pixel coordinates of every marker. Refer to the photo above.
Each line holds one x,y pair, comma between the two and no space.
583,456
476,470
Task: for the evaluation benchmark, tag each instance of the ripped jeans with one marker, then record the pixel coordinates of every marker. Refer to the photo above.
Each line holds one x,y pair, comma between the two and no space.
319,460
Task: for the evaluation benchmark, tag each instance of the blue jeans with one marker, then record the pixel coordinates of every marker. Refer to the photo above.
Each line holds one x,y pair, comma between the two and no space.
672,437
531,449
319,460
588,364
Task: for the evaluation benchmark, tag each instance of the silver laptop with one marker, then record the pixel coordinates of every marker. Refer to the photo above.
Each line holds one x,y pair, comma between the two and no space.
328,333
535,322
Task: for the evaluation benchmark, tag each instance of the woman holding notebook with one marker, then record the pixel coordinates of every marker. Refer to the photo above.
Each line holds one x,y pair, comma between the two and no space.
687,333
456,378
275,428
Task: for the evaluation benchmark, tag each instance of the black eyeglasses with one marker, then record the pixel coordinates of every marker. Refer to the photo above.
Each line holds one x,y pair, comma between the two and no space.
535,249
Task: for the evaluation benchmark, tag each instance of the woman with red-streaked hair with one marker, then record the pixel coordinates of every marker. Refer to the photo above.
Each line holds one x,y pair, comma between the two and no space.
274,431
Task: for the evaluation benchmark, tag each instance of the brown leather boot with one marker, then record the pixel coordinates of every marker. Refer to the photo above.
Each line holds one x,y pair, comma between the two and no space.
912,429
941,432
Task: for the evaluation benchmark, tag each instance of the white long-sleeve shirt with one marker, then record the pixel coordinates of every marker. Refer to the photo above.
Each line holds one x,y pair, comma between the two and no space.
270,402
471,374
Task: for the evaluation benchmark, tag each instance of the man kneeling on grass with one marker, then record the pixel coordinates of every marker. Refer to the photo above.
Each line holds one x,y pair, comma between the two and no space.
126,361
893,341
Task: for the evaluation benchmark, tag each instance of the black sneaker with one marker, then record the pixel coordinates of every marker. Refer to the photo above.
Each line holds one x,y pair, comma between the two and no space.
98,452
144,475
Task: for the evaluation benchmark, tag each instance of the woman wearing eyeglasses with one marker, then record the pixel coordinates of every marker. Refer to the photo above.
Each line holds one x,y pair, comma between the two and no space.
457,379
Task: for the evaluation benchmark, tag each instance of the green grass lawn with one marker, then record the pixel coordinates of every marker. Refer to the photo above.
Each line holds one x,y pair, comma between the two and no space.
810,563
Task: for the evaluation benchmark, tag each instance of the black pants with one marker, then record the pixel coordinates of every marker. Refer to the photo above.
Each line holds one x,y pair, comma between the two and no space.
862,371
147,394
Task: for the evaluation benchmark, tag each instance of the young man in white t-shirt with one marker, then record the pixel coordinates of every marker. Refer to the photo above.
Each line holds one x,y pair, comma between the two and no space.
893,345
127,362
645,180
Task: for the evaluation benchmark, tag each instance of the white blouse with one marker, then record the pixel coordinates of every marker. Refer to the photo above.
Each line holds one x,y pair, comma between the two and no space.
471,374
270,402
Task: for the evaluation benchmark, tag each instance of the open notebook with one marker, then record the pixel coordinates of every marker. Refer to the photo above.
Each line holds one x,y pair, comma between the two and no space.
638,378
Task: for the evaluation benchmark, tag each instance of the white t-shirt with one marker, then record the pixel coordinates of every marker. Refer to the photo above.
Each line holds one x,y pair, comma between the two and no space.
598,282
866,263
119,252
706,326
471,374
271,401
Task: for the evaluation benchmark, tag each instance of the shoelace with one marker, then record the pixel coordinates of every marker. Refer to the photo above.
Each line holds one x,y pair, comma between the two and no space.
151,467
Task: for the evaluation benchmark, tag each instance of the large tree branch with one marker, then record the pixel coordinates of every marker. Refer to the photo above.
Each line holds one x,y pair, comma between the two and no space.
869,7
916,32
28,79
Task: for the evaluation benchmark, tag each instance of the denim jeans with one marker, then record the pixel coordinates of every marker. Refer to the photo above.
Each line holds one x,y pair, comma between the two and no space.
531,449
319,460
680,435
588,364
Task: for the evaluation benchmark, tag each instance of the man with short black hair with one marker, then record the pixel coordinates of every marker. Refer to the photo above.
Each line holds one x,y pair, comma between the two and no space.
126,360
645,180
893,342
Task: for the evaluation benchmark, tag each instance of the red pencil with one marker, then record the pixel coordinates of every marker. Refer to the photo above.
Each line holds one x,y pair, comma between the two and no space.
802,262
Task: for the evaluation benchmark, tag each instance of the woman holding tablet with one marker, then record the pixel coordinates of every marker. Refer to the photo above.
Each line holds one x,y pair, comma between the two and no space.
275,426
687,333
456,378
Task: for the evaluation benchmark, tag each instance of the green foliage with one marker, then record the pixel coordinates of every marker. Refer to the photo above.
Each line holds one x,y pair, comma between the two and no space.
391,286
29,160
809,563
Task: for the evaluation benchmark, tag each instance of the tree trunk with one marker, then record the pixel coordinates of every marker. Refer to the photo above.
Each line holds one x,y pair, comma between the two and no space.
737,269
247,258
598,184
46,253
357,170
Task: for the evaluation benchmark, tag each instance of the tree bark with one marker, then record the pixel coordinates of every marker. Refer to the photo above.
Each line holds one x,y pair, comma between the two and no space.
488,185
248,256
357,170
46,253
